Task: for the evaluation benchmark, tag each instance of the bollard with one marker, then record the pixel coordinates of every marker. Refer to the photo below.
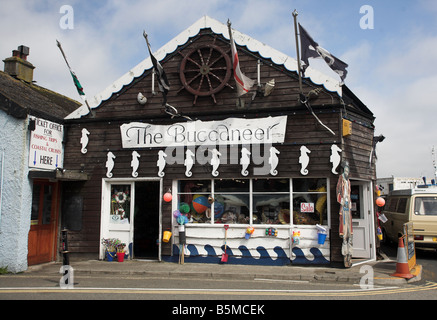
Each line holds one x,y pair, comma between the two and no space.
65,259
64,247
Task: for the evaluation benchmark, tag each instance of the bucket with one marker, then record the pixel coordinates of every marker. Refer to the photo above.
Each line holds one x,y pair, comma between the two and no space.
321,238
120,256
166,237
110,256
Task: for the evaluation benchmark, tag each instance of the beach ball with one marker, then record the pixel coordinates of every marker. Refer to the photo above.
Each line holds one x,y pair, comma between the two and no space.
200,203
184,207
380,202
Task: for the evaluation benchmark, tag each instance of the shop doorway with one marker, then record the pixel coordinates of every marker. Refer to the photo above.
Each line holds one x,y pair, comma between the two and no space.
146,220
362,219
43,224
131,213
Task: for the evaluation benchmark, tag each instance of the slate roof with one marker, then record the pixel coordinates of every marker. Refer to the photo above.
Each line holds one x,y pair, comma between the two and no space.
20,99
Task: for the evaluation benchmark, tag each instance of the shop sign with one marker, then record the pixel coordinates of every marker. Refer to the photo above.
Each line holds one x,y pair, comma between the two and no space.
230,131
307,207
46,150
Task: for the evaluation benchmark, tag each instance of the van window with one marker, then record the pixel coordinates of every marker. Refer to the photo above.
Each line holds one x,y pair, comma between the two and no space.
426,206
392,203
402,205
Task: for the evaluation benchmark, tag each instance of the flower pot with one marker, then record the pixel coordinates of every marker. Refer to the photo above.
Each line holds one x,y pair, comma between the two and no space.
120,256
110,256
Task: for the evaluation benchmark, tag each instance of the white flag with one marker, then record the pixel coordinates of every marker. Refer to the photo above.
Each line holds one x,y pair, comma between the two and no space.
243,83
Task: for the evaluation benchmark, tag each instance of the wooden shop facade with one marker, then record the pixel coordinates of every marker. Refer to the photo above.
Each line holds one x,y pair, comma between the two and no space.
211,159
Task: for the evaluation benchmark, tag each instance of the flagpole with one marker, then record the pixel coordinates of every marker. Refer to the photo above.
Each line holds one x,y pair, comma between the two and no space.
68,65
297,50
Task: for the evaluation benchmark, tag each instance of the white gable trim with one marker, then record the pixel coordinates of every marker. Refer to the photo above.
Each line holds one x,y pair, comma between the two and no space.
217,27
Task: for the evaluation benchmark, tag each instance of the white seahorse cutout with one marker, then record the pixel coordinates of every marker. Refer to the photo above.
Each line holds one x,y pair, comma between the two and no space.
245,161
189,162
215,162
135,163
273,161
335,158
109,164
161,163
84,140
304,159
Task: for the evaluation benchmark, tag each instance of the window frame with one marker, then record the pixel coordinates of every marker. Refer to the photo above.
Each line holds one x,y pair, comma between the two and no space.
210,223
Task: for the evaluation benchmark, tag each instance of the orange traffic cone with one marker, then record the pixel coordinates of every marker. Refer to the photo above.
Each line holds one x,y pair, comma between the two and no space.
402,269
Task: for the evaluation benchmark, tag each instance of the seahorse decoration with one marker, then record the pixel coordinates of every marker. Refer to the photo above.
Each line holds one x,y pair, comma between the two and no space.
161,163
135,163
244,161
304,159
215,162
273,161
84,140
335,158
109,164
189,162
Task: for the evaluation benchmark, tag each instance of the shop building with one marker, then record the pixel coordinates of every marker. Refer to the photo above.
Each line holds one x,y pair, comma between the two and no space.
262,160
31,165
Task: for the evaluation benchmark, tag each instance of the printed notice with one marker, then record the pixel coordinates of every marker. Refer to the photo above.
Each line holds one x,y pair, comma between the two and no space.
46,150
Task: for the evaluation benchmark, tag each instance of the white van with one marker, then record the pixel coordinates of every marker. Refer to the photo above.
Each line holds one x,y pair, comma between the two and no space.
417,205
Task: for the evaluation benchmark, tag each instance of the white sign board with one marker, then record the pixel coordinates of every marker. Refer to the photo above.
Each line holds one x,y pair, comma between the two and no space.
46,150
194,133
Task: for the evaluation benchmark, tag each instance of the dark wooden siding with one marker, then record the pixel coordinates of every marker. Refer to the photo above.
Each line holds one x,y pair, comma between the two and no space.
302,129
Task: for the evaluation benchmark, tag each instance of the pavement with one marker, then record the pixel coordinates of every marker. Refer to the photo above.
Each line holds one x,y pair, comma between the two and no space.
382,270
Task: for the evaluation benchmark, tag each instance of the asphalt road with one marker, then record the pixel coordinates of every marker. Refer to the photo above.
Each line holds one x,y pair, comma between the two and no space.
221,296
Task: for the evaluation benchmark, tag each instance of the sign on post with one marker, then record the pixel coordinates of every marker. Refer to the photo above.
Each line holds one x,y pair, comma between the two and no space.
46,150
409,244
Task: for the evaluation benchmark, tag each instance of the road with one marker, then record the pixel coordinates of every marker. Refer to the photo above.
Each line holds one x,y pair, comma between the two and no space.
215,292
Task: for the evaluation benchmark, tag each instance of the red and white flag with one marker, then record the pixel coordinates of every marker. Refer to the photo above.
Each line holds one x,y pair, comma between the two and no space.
243,83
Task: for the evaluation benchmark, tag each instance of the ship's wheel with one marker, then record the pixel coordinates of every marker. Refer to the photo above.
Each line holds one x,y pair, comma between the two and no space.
205,70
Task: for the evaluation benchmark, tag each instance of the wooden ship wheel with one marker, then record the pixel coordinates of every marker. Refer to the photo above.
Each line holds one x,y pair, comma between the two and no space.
205,70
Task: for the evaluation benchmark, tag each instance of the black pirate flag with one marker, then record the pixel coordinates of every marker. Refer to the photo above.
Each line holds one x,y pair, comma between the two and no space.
310,49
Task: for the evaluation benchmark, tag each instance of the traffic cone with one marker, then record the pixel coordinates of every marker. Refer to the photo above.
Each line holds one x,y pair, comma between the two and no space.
402,269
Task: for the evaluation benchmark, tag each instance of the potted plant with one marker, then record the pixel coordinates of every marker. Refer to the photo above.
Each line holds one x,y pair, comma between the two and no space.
120,251
110,245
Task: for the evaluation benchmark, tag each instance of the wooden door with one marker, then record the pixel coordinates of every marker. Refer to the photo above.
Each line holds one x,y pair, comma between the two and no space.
44,220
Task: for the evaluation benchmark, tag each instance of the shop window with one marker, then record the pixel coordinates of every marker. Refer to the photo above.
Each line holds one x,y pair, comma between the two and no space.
232,201
309,201
194,200
120,204
254,201
271,201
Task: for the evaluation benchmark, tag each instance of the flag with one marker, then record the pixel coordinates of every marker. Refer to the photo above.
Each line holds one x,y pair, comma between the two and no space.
76,82
310,49
163,84
243,83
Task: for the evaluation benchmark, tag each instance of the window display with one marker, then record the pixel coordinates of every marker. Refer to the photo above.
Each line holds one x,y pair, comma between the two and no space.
254,201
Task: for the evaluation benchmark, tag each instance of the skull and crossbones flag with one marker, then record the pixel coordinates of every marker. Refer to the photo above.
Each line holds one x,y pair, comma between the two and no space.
310,49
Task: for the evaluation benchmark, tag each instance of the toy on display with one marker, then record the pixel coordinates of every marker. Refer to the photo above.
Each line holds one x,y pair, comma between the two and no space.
271,232
249,231
296,238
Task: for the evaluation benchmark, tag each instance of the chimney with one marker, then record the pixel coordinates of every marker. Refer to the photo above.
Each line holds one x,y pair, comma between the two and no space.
18,66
